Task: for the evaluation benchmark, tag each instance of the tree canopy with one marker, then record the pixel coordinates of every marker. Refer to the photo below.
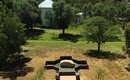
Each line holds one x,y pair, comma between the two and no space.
11,36
63,14
98,29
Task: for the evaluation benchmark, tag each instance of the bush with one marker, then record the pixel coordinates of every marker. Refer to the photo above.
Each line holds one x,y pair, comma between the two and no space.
11,39
100,73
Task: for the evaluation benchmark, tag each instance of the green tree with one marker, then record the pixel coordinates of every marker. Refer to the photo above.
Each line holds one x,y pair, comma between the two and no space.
98,9
11,39
63,14
49,16
9,3
121,12
75,10
97,29
127,14
87,10
28,12
109,12
127,35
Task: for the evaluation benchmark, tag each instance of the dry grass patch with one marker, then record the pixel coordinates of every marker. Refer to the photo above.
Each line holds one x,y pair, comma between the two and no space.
115,69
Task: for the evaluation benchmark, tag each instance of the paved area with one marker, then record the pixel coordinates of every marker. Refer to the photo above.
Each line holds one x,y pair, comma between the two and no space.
67,77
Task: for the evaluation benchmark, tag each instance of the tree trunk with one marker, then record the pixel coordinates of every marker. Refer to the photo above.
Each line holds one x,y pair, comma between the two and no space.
123,25
99,47
127,34
31,27
63,31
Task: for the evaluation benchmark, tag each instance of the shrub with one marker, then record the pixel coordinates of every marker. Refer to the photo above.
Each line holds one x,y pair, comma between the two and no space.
100,73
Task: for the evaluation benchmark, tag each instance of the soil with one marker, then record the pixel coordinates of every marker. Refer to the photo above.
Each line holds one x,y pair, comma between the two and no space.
113,69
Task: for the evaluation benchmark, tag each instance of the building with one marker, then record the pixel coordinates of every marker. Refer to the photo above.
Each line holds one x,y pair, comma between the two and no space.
47,15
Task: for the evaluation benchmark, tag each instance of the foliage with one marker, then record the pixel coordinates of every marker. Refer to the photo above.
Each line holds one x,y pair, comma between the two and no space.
120,9
9,3
49,16
109,12
87,10
127,33
63,14
126,13
105,10
28,13
97,9
11,38
26,10
98,29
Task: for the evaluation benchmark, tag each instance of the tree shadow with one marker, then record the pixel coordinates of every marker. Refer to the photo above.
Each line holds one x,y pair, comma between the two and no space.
128,68
34,33
104,55
69,37
114,38
17,69
51,27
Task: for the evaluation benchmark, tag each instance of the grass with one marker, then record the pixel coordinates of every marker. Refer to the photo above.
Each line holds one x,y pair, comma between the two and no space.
51,39
39,74
100,73
112,46
104,55
49,42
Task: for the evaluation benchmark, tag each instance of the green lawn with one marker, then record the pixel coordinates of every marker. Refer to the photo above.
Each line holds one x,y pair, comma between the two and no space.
49,40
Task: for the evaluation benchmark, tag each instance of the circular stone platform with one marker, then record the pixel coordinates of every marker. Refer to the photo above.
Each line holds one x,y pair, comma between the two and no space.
67,68
67,64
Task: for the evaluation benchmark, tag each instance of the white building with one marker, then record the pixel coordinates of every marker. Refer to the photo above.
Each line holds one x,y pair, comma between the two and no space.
46,12
47,19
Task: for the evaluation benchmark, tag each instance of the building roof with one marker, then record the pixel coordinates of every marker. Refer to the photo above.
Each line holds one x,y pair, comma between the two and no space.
46,4
79,14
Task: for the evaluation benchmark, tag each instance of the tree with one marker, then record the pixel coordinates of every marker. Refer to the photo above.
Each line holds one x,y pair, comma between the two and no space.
49,16
121,12
87,10
97,9
127,14
8,3
97,29
28,12
11,39
109,12
127,35
74,19
63,14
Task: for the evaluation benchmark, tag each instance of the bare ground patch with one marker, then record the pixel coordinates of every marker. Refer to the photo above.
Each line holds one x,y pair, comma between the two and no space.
115,69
